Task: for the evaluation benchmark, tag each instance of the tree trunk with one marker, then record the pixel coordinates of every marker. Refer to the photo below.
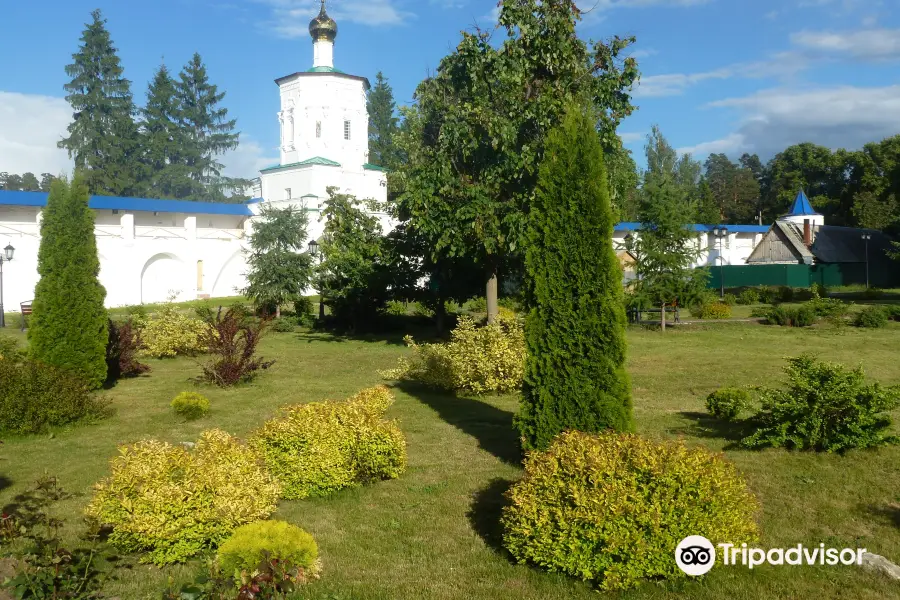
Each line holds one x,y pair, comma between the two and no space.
277,311
491,292
321,308
662,319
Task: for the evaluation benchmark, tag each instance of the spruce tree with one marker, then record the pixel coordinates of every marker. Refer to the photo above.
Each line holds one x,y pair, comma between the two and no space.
163,139
69,323
208,131
382,124
575,376
103,137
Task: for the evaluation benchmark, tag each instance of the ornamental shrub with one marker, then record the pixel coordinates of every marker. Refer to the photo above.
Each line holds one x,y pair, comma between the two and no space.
801,316
727,403
716,310
121,351
254,544
819,290
893,311
477,304
767,294
785,294
825,407
873,317
730,299
284,325
748,296
68,325
476,360
611,508
395,308
190,405
171,333
231,339
828,307
35,396
174,504
9,349
318,448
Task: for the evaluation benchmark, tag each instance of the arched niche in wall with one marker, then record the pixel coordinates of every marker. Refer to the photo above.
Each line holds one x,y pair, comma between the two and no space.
231,277
164,275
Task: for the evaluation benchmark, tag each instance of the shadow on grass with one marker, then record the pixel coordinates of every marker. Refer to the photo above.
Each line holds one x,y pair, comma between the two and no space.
889,512
707,426
492,427
394,336
5,482
485,512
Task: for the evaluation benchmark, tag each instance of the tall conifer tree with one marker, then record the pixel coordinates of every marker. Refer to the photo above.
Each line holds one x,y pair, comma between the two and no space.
103,137
382,124
575,374
209,131
163,140
69,323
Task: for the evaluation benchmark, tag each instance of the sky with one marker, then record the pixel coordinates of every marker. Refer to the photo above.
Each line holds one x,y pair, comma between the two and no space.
728,76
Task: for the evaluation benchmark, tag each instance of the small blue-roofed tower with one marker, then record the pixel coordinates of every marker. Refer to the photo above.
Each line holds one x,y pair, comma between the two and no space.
802,211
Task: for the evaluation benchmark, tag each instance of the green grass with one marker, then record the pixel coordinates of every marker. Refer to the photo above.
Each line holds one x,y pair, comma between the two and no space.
432,534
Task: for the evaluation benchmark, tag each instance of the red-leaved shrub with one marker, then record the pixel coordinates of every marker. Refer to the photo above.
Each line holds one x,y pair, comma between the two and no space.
231,339
121,351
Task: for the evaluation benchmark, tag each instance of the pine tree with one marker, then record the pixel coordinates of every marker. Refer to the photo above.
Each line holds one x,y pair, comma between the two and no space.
280,270
69,323
708,211
575,374
382,124
103,138
163,139
207,128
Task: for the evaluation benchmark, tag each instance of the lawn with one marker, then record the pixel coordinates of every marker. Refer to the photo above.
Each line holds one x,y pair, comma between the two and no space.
432,534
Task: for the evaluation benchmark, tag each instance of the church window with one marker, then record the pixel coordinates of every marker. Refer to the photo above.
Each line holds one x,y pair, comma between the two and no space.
346,130
287,193
318,129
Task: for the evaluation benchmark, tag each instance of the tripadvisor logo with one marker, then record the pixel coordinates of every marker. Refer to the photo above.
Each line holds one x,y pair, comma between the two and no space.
696,555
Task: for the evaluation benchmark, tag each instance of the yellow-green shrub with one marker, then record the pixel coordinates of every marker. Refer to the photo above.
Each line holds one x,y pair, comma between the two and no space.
252,544
476,360
173,503
171,333
714,310
190,405
611,508
321,447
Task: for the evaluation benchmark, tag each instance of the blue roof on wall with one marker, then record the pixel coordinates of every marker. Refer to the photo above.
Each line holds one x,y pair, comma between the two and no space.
9,198
702,228
802,206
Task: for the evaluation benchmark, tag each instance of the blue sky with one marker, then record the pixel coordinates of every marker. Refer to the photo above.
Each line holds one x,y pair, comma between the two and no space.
717,75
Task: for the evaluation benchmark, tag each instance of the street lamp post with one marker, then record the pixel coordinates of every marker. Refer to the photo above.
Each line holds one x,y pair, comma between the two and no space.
314,252
721,233
7,256
866,237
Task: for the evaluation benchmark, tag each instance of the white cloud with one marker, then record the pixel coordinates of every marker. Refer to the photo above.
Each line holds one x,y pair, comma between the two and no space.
837,117
727,145
675,84
644,53
30,127
867,44
631,137
248,159
290,18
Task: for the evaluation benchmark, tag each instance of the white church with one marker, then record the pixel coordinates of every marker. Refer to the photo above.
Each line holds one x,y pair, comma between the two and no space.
152,249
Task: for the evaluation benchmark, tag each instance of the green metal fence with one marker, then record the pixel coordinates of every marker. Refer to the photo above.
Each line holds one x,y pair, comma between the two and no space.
803,276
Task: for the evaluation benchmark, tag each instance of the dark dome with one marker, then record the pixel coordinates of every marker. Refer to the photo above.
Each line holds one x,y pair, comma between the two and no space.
323,27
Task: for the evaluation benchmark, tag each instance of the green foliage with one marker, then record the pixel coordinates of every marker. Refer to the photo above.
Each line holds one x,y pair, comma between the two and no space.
610,508
827,307
785,294
396,308
318,448
767,294
476,360
231,339
825,407
284,325
728,403
734,187
190,405
872,293
303,306
730,299
748,296
819,290
476,305
279,268
163,140
35,396
137,316
575,374
256,543
715,310
174,504
801,316
171,333
892,311
103,138
272,579
68,327
354,274
873,317
9,349
382,124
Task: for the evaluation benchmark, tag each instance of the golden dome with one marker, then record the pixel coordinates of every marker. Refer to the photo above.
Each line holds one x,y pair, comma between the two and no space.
323,27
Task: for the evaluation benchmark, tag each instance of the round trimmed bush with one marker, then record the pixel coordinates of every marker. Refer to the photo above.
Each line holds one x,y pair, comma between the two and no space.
611,508
252,544
190,405
727,403
873,317
716,310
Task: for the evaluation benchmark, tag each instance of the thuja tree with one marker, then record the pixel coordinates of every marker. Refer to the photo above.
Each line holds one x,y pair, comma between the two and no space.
476,136
69,323
575,375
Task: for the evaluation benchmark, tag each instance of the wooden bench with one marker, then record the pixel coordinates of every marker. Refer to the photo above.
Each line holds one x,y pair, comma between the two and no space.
26,312
635,316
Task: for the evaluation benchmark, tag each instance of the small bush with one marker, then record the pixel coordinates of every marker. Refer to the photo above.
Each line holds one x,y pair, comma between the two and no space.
317,448
748,296
255,544
825,407
231,338
9,350
174,504
476,305
284,325
137,315
828,307
802,316
767,294
35,396
819,290
395,308
873,317
872,293
420,310
727,403
730,299
190,405
785,294
303,306
610,508
171,333
476,360
716,310
121,351
893,312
